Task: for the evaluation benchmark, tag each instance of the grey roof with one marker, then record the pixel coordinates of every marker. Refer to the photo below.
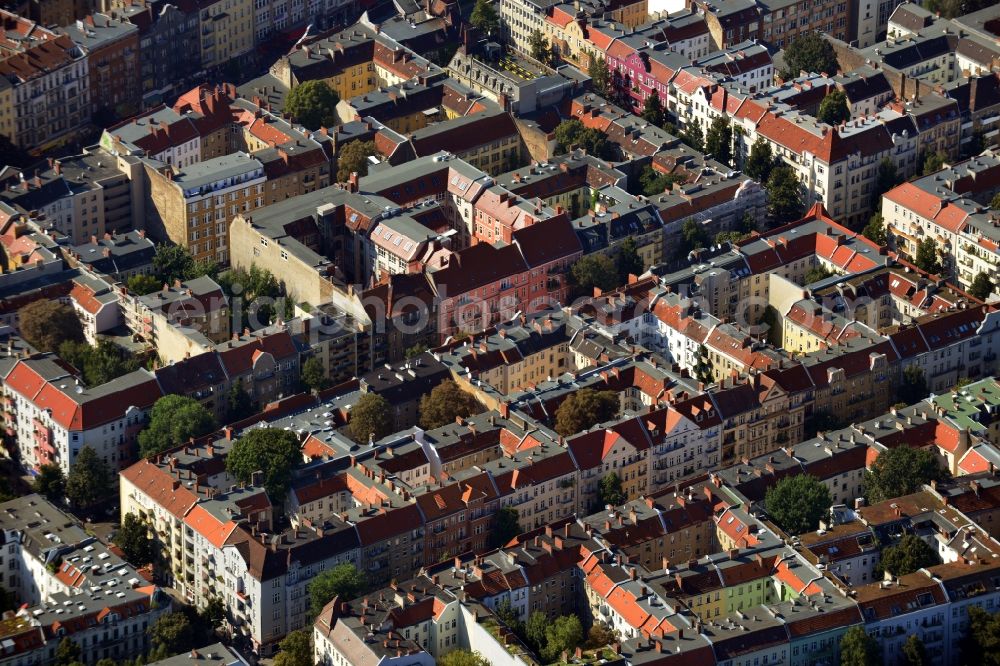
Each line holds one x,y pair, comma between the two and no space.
216,654
215,170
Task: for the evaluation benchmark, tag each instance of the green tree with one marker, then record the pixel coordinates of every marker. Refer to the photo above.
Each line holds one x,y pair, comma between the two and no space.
50,483
353,158
875,230
732,237
507,526
760,162
343,581
538,46
47,324
600,77
693,237
567,134
610,490
585,408
653,182
594,270
484,16
596,143
719,140
173,421
703,367
446,402
833,109
239,404
857,648
213,614
371,416
67,652
886,178
927,256
627,261
914,652
901,471
416,350
133,538
534,630
797,503
934,162
89,480
995,201
459,657
810,53
784,194
913,388
143,284
565,634
295,649
272,451
982,286
99,364
910,554
172,263
981,644
817,273
313,375
313,104
693,135
174,632
652,110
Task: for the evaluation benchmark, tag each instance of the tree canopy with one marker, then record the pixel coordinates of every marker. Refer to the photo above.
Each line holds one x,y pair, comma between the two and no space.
982,286
133,538
901,471
910,554
67,652
652,110
538,46
719,140
594,270
47,324
484,16
458,657
173,421
313,375
99,364
811,53
817,273
760,162
653,182
857,648
610,490
446,402
371,416
600,77
585,408
784,194
353,158
627,261
343,580
272,451
886,178
703,366
833,110
934,162
143,284
914,652
295,649
926,258
797,503
562,635
89,480
507,527
913,388
693,135
875,230
981,644
693,237
173,262
50,482
174,632
313,103
572,134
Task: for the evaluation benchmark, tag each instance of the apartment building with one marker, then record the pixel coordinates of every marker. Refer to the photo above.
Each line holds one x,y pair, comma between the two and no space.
949,207
169,47
111,45
53,414
71,587
49,84
193,206
227,30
